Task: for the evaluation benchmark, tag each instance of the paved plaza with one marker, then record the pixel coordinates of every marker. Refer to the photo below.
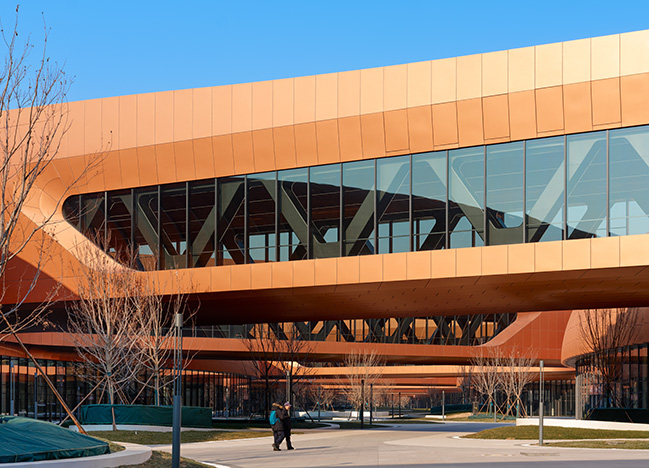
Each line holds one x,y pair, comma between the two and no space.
407,446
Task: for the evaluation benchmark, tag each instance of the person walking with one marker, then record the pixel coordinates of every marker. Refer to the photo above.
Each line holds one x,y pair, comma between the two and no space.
286,424
275,420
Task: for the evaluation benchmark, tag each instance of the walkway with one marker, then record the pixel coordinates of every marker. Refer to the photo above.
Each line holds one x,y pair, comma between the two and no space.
407,446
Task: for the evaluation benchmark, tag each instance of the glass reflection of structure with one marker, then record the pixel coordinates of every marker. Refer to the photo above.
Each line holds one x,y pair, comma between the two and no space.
568,187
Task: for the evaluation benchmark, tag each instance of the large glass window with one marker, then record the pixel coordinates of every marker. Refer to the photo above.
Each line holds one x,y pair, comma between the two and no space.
231,221
545,179
202,220
466,197
93,216
429,200
325,211
174,226
119,223
393,204
629,181
145,228
505,193
586,185
261,217
358,207
293,219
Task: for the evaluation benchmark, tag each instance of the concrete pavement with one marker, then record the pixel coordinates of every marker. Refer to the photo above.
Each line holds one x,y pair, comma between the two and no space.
409,445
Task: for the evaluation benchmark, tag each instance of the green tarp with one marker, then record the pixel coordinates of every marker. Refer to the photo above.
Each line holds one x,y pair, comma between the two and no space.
27,440
192,416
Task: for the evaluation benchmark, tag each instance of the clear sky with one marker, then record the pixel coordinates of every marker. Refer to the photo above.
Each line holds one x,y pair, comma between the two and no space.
118,47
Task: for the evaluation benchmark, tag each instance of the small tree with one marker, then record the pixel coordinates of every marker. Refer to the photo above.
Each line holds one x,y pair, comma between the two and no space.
603,331
485,371
363,370
516,374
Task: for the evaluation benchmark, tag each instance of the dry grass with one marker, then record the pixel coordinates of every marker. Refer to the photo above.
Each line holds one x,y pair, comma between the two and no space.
163,460
611,444
555,433
164,438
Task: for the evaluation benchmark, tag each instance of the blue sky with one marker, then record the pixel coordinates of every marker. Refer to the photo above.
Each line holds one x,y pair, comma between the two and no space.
122,47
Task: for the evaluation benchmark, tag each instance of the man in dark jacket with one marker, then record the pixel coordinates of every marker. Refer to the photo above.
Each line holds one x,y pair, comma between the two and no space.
277,411
286,424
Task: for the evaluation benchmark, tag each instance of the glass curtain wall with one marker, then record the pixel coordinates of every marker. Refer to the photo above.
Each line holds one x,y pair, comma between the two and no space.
568,187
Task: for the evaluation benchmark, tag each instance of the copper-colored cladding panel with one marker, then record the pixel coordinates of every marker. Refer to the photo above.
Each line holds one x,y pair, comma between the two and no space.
327,142
264,154
469,122
185,169
243,154
445,124
202,113
577,107
576,61
349,93
419,84
548,256
164,120
395,267
420,129
349,130
262,277
494,259
306,146
326,97
304,99
183,115
371,271
520,258
634,99
372,135
129,166
549,109
223,155
166,160
284,144
222,110
494,73
469,77
242,107
605,254
396,130
634,251
203,157
92,127
496,117
606,101
548,65
145,117
283,105
522,115
262,105
282,275
605,57
303,274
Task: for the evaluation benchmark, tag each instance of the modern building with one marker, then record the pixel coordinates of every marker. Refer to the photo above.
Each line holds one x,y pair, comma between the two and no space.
422,210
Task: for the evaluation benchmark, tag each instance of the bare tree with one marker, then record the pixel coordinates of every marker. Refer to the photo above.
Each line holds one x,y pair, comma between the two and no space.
465,382
486,380
516,374
602,332
154,334
363,369
101,321
278,352
33,121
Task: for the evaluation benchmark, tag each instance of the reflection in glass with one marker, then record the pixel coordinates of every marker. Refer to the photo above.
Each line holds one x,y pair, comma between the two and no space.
145,228
393,204
93,217
358,208
544,183
293,207
466,197
586,212
231,221
119,222
429,200
261,217
202,219
325,211
174,226
629,176
505,193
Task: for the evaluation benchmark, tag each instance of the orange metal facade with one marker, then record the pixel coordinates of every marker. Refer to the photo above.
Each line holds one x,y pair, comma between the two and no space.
553,89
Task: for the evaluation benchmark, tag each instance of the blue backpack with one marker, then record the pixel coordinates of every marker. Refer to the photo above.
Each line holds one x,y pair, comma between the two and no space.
273,417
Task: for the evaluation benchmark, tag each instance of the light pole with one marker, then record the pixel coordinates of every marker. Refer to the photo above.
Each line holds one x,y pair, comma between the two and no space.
541,403
177,403
35,394
11,387
362,400
443,401
371,401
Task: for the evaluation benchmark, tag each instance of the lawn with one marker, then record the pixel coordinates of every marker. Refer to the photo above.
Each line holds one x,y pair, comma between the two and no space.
163,460
555,433
261,424
161,438
614,444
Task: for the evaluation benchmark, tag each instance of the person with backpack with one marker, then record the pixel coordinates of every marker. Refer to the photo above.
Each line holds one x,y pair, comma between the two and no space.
275,419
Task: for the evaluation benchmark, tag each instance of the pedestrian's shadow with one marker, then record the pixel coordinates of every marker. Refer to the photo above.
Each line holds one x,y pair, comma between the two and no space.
306,448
